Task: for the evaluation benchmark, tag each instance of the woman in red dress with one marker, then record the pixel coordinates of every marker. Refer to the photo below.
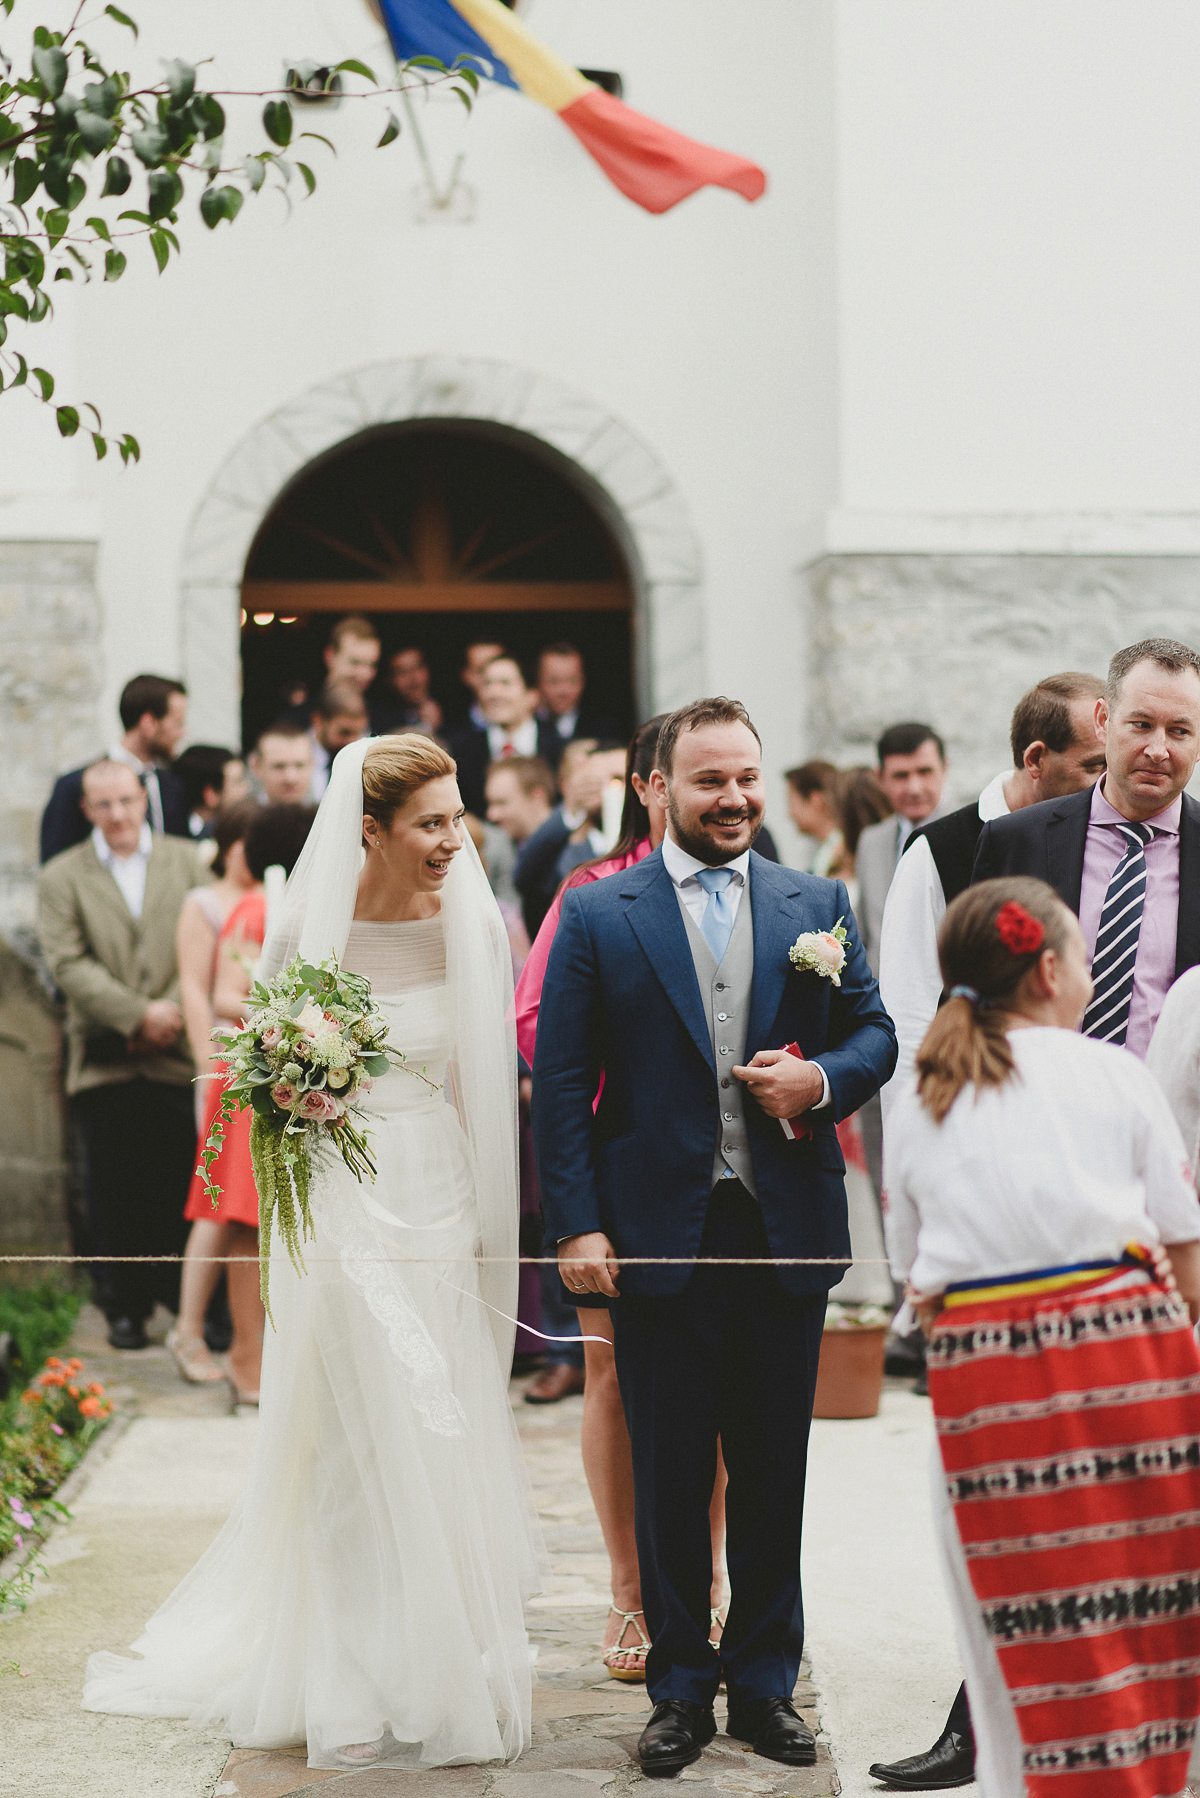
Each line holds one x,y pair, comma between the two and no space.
230,1228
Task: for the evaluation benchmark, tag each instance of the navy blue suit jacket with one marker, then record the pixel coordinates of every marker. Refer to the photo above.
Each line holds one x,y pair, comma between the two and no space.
621,995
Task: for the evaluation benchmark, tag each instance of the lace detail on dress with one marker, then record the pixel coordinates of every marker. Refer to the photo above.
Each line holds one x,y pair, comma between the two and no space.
398,958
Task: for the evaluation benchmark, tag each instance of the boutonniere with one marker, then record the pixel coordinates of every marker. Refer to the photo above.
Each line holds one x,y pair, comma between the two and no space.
821,952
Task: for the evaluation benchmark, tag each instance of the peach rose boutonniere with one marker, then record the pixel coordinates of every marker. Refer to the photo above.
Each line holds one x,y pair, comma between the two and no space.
821,952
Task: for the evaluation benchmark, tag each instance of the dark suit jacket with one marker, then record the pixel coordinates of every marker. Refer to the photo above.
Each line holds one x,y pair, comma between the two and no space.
1048,841
469,747
64,825
952,841
621,996
588,724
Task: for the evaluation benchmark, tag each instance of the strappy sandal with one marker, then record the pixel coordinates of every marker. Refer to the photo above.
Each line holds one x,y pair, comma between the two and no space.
194,1359
358,1754
635,1675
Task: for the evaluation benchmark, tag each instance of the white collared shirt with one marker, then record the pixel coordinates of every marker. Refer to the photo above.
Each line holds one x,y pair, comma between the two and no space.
147,773
523,740
683,869
565,724
129,871
322,762
910,975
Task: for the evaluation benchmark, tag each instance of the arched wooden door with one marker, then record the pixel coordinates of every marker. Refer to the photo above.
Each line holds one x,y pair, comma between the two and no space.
439,531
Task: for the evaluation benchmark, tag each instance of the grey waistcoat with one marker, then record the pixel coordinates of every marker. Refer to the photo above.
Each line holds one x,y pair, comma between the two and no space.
725,991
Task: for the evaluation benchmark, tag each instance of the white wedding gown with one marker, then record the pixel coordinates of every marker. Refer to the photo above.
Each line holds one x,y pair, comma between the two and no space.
368,1586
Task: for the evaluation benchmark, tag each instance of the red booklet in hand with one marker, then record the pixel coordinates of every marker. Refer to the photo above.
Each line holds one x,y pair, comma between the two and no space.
796,1129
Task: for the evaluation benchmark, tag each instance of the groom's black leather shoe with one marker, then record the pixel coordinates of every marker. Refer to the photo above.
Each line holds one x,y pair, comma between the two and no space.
127,1333
674,1737
776,1729
950,1762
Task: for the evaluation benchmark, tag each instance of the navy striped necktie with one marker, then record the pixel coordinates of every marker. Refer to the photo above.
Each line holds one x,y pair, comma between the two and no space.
1107,1017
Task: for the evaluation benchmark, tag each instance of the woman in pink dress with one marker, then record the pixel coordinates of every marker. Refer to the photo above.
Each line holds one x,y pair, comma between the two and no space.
275,837
607,1460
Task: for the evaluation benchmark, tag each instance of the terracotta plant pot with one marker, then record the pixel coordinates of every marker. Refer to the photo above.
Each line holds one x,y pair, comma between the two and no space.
850,1375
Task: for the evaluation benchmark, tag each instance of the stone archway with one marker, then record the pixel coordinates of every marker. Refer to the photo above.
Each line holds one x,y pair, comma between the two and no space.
647,512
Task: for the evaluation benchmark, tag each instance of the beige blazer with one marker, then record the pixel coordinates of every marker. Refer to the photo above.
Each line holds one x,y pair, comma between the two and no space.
110,964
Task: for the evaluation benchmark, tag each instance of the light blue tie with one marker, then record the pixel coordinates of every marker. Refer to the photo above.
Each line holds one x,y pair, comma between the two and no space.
716,925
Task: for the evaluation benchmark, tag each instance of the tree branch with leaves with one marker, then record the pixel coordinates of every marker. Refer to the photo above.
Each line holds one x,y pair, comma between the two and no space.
70,112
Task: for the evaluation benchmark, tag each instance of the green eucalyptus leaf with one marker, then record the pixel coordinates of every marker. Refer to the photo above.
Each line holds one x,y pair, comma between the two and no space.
117,176
40,307
56,222
114,265
45,381
122,18
213,115
67,420
425,62
166,191
150,145
26,177
100,444
277,122
15,303
99,226
310,180
161,248
181,81
352,66
50,67
22,375
391,132
377,1066
97,133
64,274
130,449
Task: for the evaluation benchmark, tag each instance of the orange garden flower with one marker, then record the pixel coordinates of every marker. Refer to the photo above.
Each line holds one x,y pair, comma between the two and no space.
90,1407
31,1396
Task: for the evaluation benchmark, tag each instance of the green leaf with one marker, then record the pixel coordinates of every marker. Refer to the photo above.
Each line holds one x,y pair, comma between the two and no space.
99,227
150,145
56,222
101,97
161,248
217,203
122,18
45,381
310,180
116,177
97,133
377,1066
166,191
181,81
262,1101
64,274
213,114
100,444
8,127
130,449
13,302
255,171
352,66
114,265
40,307
67,419
277,122
26,176
50,67
425,62
57,179
391,133
20,378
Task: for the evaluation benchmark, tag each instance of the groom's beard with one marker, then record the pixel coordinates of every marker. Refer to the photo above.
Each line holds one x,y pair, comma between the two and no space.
692,835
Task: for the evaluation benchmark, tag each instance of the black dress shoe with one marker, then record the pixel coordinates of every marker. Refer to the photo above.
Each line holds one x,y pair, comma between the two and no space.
675,1736
950,1762
124,1333
776,1729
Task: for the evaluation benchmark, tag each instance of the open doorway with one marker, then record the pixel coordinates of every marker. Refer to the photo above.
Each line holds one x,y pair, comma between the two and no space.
439,531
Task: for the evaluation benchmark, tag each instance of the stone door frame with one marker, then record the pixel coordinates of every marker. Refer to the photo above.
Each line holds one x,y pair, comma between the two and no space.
621,473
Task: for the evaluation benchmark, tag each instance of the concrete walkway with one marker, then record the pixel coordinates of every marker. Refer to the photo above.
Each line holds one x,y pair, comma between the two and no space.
162,1482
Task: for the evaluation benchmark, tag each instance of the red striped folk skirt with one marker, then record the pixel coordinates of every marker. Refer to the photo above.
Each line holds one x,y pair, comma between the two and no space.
1069,1428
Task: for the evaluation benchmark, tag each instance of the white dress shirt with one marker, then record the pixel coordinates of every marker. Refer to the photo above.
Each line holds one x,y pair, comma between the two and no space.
910,977
503,743
129,871
683,869
147,773
1075,1155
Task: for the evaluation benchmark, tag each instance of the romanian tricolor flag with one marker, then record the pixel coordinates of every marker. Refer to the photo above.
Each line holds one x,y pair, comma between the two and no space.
652,164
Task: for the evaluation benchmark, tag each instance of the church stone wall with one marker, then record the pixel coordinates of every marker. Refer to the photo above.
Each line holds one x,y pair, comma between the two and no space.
50,671
955,640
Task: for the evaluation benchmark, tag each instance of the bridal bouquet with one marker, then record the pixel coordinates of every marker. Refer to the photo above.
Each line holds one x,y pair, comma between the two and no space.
313,1041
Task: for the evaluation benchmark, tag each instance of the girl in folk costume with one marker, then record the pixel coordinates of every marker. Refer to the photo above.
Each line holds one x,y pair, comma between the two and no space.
1032,1176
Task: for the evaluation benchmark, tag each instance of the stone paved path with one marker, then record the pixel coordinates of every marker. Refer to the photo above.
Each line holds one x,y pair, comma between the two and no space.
169,1471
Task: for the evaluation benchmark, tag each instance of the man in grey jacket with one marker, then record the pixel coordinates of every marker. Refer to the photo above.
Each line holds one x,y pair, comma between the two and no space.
912,773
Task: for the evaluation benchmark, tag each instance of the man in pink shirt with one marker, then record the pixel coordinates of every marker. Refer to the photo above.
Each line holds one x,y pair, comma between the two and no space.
1126,855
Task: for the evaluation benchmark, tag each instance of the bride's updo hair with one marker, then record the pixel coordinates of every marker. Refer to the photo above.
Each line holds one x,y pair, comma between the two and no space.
395,767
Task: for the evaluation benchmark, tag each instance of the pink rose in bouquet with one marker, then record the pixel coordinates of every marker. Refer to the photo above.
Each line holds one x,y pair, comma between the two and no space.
285,1094
319,1108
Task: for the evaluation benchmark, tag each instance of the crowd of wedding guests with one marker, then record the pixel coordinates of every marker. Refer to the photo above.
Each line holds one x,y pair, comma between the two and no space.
153,909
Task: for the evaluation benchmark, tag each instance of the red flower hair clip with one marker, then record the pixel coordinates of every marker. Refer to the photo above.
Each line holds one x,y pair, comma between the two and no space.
1020,933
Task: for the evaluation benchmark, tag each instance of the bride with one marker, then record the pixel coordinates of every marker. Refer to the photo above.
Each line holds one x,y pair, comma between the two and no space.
366,1594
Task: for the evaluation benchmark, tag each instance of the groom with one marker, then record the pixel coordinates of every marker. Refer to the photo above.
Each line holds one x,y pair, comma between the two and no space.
673,980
